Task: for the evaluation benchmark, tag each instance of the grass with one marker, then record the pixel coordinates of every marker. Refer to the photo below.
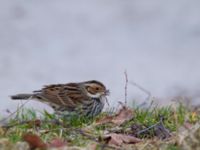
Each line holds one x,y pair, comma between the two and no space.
174,118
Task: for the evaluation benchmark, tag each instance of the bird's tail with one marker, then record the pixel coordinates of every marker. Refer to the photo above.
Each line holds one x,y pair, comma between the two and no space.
22,96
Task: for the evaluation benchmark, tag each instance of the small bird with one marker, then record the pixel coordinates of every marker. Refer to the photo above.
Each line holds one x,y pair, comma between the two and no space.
84,98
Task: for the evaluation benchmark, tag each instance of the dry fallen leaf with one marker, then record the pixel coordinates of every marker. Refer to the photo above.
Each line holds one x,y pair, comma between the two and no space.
34,141
124,114
106,119
118,139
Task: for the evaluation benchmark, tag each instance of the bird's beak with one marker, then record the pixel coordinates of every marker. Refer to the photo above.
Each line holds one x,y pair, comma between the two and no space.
107,92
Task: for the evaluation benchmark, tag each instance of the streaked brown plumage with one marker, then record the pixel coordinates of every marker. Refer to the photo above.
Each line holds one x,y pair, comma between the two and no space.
86,98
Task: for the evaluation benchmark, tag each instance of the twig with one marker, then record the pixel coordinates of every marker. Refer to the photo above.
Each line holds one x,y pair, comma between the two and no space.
151,127
142,89
20,107
126,86
147,129
159,125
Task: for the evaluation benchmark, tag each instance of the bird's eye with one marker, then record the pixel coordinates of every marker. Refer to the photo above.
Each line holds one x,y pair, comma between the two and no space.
97,88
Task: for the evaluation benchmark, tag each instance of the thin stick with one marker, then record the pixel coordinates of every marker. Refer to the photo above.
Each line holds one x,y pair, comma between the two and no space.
142,89
20,107
160,123
147,129
126,86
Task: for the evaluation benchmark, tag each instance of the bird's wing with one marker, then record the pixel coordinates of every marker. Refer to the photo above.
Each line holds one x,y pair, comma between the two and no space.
68,95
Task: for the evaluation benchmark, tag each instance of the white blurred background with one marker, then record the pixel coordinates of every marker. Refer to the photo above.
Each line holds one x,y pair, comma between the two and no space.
44,42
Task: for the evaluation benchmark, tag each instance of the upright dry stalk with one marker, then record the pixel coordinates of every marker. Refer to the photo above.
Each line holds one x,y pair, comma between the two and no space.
126,87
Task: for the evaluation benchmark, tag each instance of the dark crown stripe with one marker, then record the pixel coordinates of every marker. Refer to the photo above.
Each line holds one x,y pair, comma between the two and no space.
95,82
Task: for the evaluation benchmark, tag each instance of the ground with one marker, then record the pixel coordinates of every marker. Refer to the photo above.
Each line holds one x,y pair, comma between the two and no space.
170,127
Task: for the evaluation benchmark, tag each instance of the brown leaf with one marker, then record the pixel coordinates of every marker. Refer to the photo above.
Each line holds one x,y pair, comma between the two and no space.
34,141
118,139
124,114
106,119
57,142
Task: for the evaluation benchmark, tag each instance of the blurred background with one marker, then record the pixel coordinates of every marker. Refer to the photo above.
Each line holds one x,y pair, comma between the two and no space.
45,42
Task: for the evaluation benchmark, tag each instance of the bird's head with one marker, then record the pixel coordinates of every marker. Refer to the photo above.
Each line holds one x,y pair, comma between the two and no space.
95,89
